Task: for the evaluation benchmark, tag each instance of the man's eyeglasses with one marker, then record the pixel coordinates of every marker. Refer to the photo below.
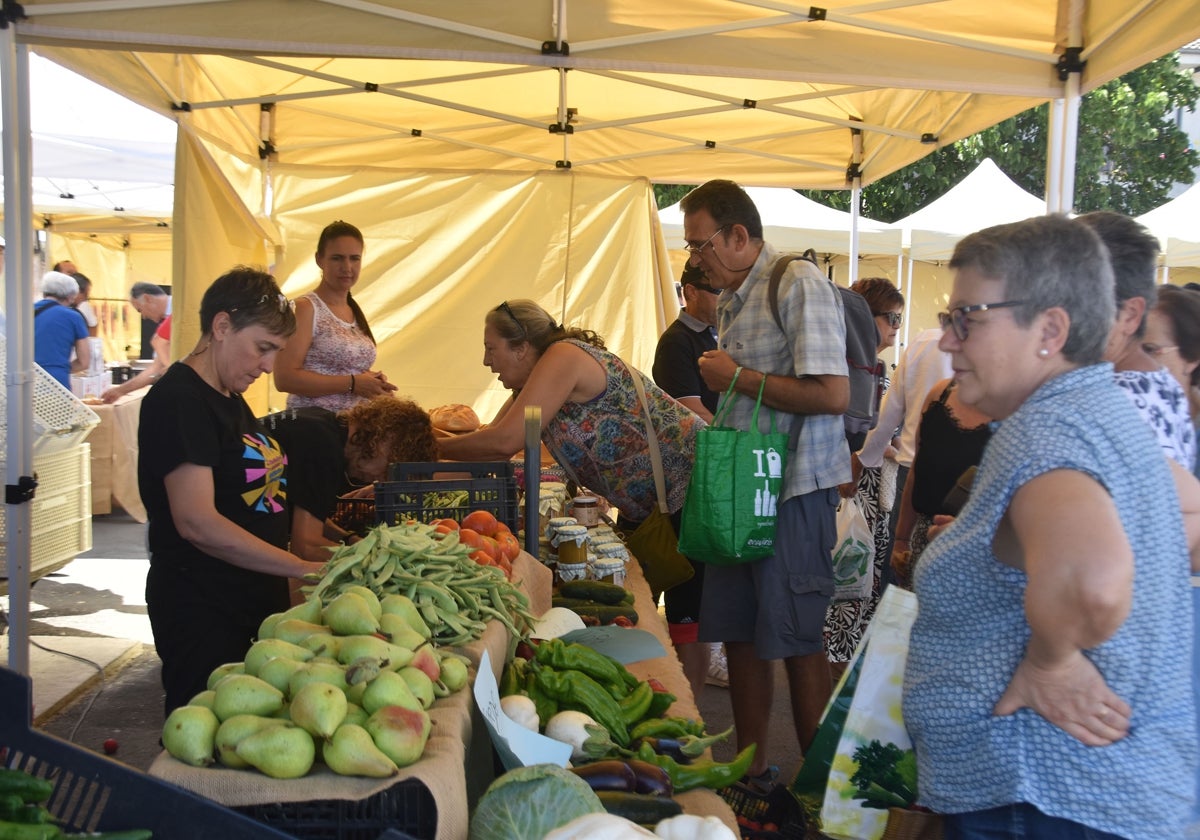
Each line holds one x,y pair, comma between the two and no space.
507,310
894,319
696,249
280,300
1158,349
956,318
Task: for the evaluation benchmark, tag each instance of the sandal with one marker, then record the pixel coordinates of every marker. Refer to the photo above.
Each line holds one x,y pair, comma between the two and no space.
764,782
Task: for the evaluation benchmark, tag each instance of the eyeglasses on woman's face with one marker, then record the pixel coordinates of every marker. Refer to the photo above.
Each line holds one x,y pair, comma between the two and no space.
894,319
696,249
956,319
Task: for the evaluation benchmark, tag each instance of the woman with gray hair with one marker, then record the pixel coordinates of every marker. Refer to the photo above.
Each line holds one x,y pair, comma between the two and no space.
1046,669
58,329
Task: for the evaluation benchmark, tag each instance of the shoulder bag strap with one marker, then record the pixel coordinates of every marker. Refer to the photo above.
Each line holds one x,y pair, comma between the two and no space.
660,484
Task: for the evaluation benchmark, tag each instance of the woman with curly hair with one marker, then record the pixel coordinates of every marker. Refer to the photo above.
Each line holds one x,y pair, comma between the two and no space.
330,454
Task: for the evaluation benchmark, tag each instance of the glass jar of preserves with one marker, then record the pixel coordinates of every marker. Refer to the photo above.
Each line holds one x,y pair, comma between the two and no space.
571,542
610,570
558,522
586,510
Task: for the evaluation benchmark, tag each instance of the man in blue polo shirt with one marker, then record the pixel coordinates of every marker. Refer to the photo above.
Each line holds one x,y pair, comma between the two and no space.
58,329
774,608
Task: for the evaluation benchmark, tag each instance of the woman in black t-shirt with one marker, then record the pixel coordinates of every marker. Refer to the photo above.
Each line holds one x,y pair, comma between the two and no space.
214,487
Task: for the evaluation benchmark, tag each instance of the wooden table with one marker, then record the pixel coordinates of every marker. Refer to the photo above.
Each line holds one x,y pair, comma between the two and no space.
115,457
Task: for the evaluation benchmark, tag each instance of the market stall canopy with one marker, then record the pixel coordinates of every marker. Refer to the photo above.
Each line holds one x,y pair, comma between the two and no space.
763,93
1177,226
983,198
794,223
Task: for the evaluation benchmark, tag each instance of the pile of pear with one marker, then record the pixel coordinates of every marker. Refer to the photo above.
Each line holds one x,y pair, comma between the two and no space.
349,683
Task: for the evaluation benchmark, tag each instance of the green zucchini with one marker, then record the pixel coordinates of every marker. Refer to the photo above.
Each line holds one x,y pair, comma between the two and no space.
641,808
20,783
593,590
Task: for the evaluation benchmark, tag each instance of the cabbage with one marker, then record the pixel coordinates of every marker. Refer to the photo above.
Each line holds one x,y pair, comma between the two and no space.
529,802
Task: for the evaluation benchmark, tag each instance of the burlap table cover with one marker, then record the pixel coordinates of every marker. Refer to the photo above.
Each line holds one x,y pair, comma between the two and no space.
456,765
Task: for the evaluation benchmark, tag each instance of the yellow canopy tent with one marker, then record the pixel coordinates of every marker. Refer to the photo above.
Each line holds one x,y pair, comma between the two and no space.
493,149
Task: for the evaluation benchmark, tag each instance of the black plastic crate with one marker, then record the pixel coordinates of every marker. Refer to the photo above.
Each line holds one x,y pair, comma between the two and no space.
93,793
406,809
778,807
412,492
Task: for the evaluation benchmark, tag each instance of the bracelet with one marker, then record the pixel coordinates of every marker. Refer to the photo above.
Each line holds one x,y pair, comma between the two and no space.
350,390
736,374
901,539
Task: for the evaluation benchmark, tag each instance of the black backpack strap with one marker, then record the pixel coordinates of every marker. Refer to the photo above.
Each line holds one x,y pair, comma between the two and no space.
781,265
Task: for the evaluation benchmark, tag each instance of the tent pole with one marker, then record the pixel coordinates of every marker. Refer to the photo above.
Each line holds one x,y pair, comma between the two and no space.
18,303
1054,157
855,177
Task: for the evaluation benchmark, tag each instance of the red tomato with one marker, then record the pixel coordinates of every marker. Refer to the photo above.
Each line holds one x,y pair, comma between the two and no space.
481,521
509,545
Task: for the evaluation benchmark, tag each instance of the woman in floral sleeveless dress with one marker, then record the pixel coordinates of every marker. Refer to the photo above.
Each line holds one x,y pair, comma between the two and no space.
328,361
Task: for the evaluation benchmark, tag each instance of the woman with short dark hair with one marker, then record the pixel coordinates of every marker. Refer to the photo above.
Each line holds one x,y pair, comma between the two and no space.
214,487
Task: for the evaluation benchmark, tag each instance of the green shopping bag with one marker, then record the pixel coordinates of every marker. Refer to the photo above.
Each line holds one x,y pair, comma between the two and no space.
729,511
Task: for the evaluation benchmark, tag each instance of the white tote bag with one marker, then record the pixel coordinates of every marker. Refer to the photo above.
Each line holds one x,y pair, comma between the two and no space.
853,554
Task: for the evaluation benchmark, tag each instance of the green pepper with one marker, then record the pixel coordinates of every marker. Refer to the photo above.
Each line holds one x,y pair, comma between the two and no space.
660,703
575,689
28,831
513,677
636,703
710,774
576,657
546,706
672,727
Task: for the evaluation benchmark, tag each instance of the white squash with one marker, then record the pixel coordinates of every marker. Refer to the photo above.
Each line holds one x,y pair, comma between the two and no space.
521,710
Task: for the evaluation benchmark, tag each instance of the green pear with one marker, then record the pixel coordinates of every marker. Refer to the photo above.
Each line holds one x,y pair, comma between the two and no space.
265,649
404,607
204,698
355,692
389,689
266,628
309,611
244,694
420,684
284,713
355,714
454,673
349,614
281,752
233,730
368,595
222,671
351,752
296,630
319,708
322,645
327,672
189,734
351,648
278,672
427,660
400,733
398,631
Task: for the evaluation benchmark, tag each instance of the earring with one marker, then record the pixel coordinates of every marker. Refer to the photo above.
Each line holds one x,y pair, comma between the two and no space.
1043,352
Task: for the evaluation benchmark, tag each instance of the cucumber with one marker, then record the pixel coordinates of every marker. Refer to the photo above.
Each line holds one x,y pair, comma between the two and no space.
604,613
641,808
20,783
593,590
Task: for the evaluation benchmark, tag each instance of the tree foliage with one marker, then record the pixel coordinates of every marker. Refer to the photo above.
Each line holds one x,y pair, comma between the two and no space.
1129,153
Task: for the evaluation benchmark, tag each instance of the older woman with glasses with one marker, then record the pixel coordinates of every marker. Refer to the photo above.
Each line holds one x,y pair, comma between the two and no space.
592,419
1046,672
214,487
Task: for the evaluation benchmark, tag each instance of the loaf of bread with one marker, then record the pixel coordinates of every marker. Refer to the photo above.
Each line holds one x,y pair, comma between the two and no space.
455,418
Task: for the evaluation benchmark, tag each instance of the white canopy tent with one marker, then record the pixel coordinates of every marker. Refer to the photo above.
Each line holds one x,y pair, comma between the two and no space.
1177,226
504,149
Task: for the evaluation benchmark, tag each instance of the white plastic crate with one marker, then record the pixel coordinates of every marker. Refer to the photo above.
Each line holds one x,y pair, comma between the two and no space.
61,514
60,419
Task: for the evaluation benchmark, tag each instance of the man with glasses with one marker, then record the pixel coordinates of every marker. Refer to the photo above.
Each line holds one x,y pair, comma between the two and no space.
154,305
774,608
677,371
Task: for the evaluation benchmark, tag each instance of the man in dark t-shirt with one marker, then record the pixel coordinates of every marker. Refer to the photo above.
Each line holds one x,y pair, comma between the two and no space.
675,360
676,370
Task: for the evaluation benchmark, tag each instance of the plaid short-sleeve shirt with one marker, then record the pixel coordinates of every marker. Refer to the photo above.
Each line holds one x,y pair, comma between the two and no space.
814,345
